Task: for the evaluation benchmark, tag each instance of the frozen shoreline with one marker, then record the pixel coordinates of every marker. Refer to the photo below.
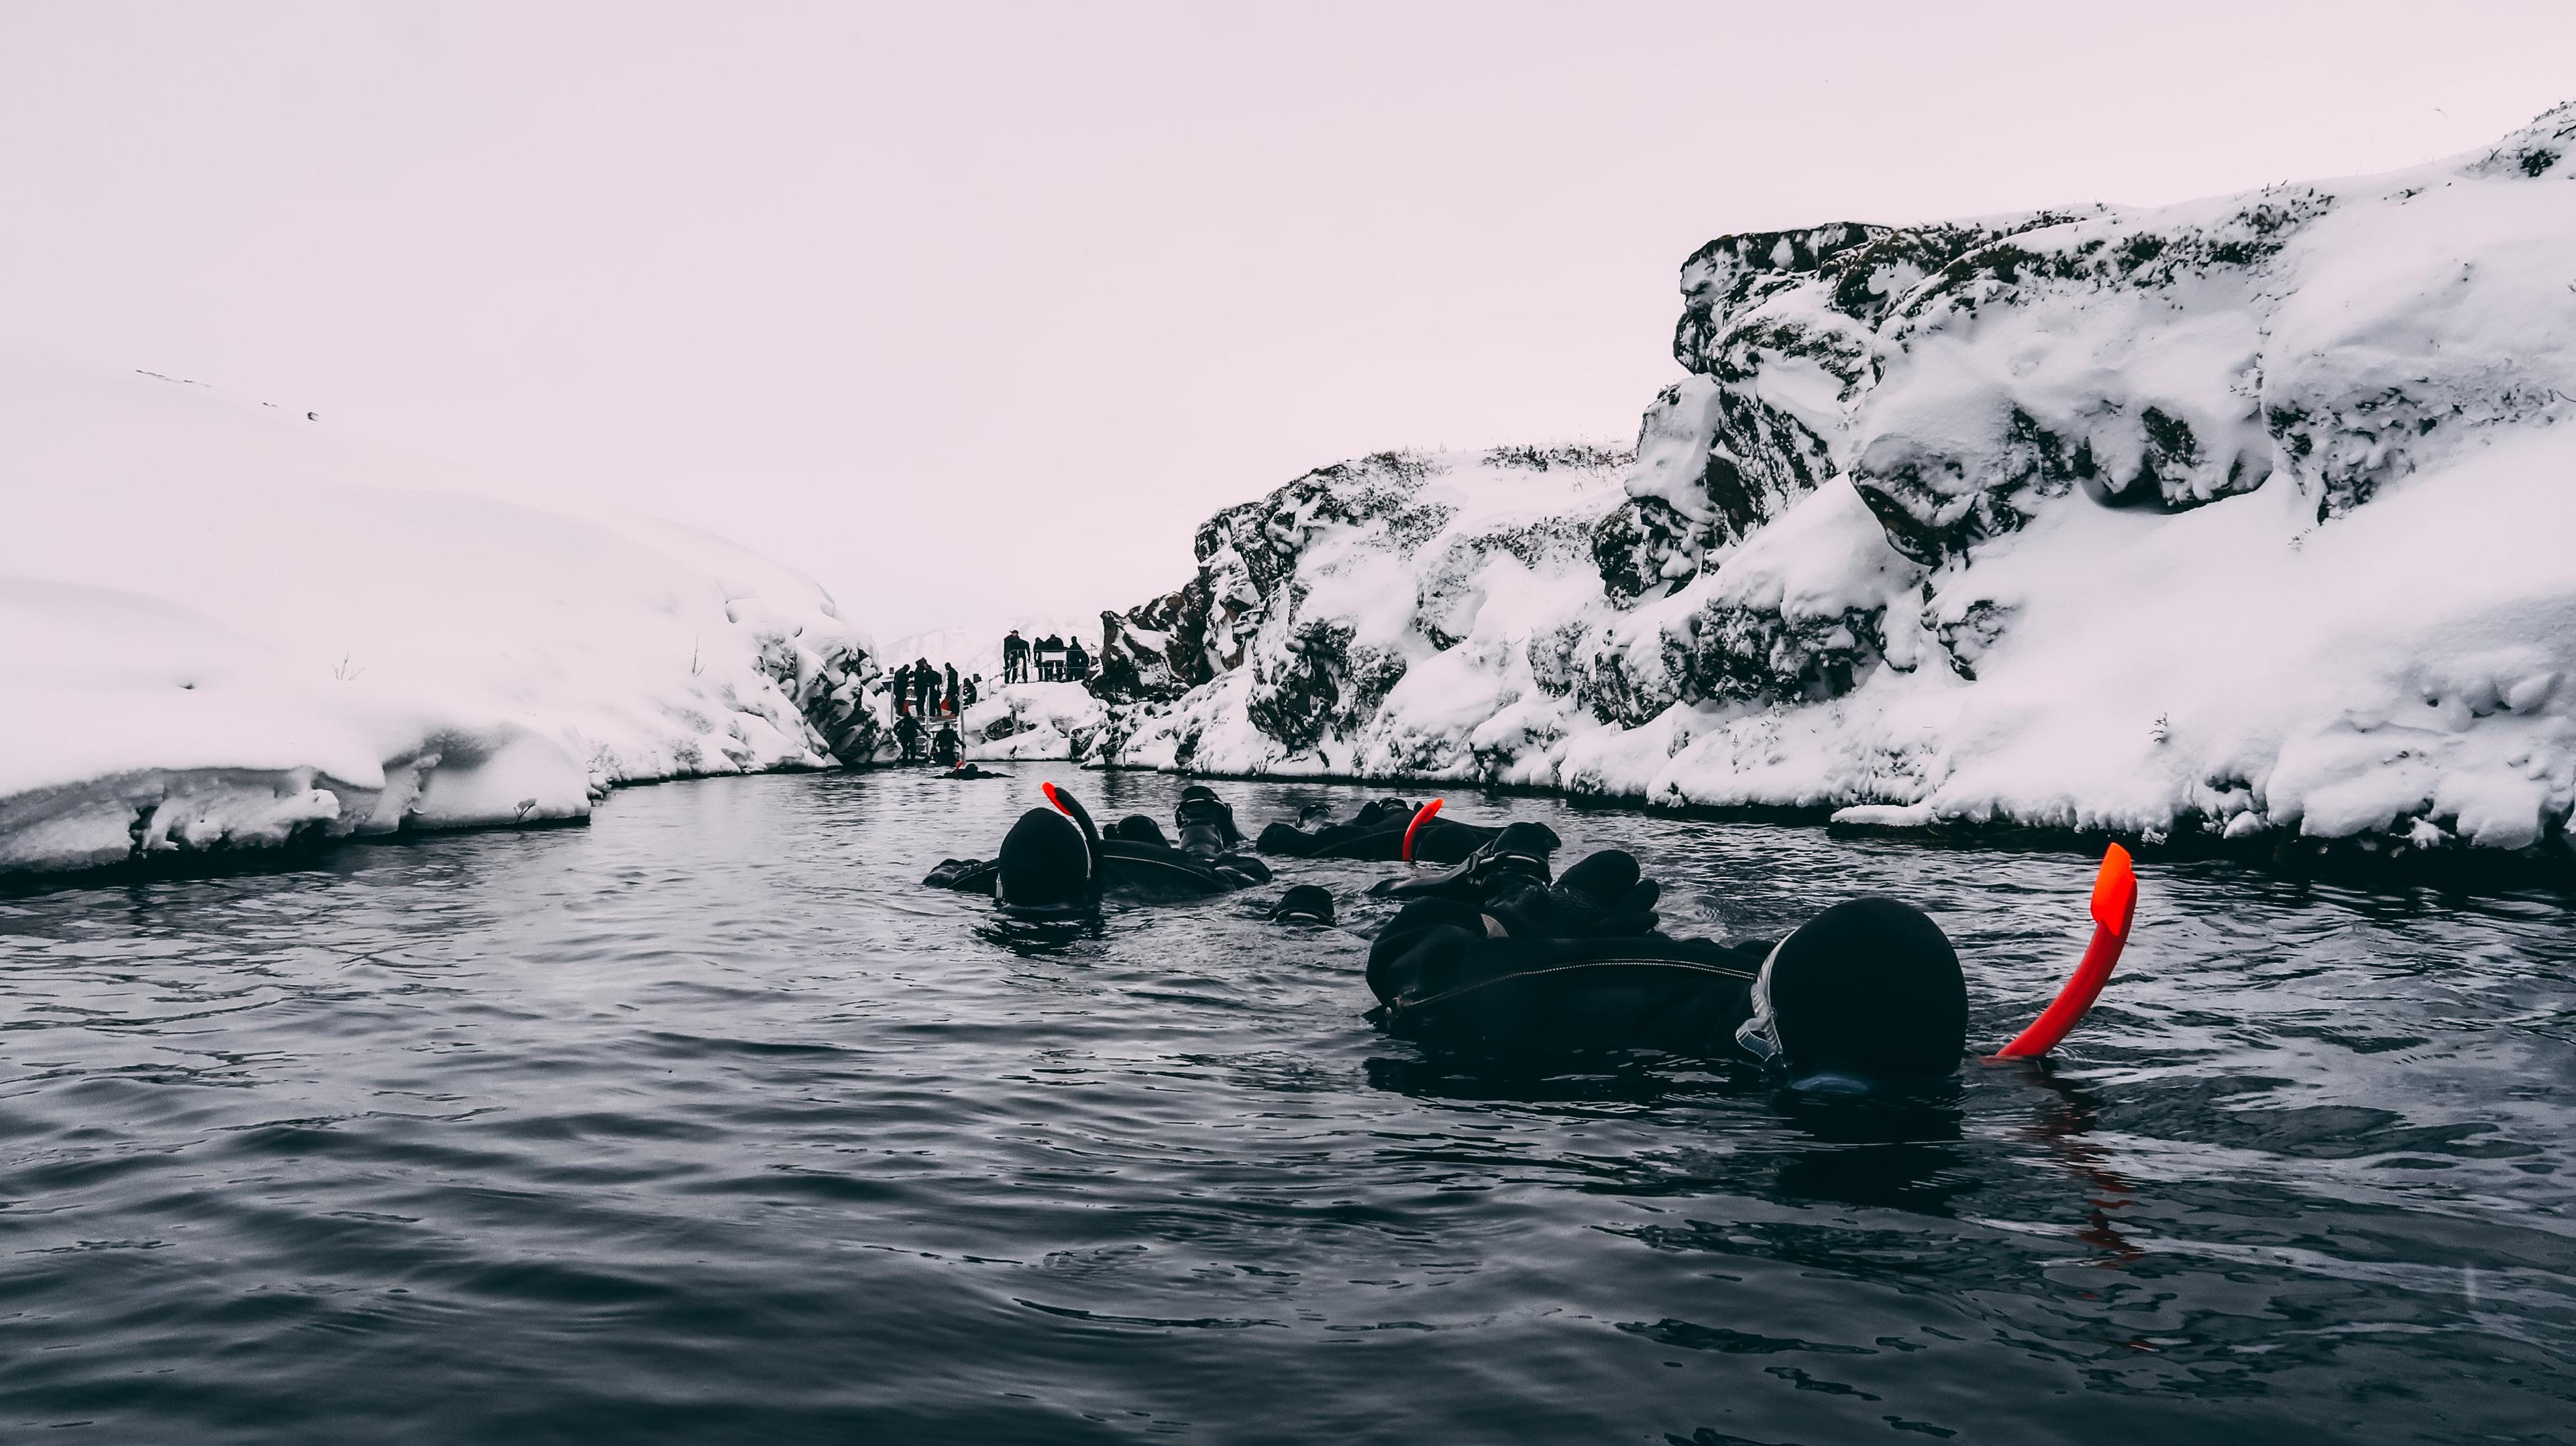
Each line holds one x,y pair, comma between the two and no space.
2359,862
223,631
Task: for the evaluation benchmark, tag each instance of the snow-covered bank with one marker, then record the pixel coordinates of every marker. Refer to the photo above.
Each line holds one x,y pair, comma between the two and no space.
221,628
2246,517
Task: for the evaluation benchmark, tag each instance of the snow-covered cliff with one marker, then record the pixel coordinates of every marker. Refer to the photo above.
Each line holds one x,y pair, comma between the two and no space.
2249,516
221,629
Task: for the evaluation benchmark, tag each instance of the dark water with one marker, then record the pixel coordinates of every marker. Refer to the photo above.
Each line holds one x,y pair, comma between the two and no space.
705,1124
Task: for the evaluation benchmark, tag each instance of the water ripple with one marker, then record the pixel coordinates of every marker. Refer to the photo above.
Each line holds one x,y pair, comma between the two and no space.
706,1124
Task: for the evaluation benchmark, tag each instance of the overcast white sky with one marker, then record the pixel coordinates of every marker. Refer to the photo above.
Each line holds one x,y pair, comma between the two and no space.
970,309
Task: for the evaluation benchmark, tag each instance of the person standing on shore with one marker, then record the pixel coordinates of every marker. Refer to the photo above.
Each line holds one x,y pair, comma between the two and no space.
1015,658
899,688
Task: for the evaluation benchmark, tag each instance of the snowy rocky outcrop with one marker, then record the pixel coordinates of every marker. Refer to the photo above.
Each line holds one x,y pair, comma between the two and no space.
2245,517
221,629
1396,615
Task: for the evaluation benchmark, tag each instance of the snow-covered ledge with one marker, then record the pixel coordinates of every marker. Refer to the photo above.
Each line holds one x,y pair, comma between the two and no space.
221,629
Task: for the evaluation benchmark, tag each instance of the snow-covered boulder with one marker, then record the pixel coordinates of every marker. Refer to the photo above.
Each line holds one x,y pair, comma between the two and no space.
1032,721
221,628
2245,516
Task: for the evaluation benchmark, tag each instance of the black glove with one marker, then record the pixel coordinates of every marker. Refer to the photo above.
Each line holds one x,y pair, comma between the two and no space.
966,876
1511,863
1599,898
1243,869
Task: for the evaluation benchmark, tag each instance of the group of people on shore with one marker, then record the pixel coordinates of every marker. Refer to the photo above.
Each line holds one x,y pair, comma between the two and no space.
922,692
929,700
915,740
1057,659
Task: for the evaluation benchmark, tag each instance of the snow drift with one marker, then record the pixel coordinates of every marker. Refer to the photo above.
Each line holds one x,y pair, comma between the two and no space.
2244,517
220,628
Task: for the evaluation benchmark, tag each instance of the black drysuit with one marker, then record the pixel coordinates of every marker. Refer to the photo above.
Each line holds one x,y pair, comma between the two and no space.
1132,863
1376,834
1492,956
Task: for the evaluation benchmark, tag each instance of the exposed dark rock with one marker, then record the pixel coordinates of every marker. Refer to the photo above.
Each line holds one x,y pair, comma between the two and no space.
1155,651
832,696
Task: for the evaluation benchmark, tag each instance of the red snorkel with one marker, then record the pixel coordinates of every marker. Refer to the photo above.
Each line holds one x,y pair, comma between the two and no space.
1072,808
2115,903
1421,816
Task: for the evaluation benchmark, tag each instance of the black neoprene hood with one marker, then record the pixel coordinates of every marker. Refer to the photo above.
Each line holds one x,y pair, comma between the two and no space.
1045,865
1871,988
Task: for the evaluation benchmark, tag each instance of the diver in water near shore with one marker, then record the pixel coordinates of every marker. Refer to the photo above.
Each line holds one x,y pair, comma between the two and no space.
1495,955
1303,904
1054,863
1868,991
1206,824
1498,955
1376,834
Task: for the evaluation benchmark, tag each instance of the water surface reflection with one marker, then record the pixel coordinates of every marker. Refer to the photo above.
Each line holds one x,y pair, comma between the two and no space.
704,1123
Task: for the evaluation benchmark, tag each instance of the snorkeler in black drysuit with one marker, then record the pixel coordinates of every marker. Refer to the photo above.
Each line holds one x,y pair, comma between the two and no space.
1375,834
945,749
1055,863
1295,841
1303,904
1495,956
907,736
1206,824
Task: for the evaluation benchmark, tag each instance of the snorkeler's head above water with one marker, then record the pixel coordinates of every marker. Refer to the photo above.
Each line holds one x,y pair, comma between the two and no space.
1870,989
1304,904
1047,866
